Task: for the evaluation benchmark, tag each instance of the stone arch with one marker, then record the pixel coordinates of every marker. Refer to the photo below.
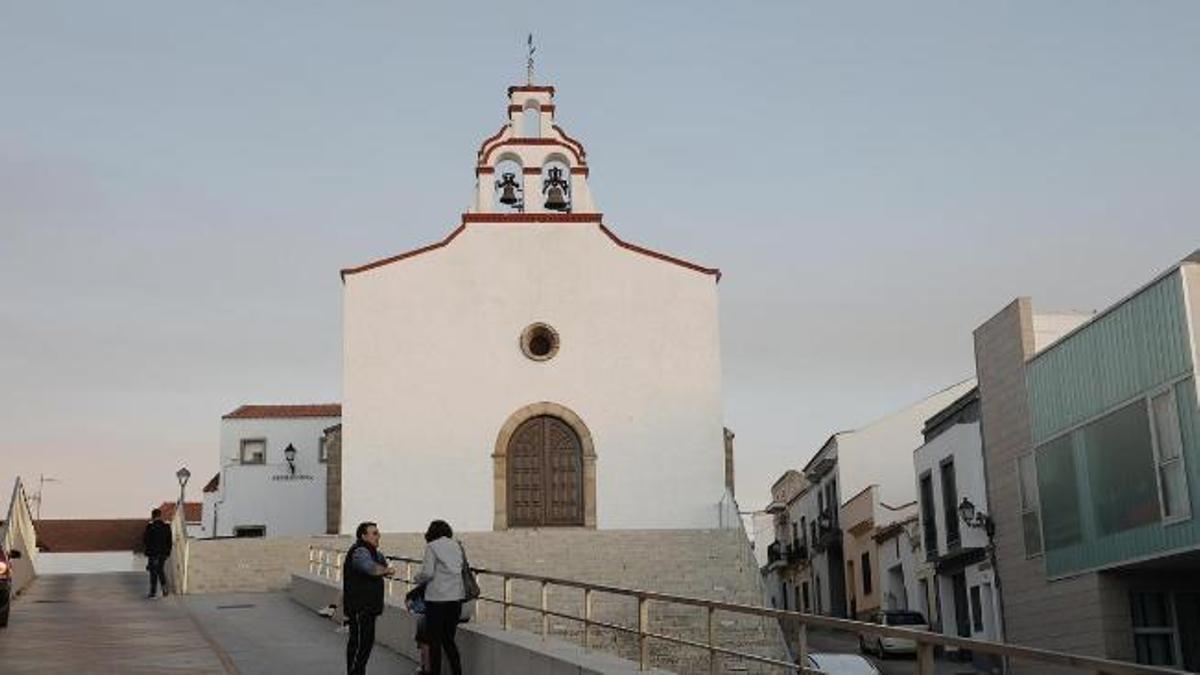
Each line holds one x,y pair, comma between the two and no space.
500,459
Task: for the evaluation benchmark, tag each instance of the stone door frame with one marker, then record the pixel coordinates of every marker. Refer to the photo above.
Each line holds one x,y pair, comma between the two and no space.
500,460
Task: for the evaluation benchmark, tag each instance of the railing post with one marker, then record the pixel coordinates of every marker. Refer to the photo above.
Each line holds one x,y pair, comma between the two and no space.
587,618
545,606
712,653
925,662
802,647
508,596
408,574
643,627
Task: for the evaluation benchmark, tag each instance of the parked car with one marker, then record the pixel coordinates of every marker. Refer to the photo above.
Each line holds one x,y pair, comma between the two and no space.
842,664
6,583
886,646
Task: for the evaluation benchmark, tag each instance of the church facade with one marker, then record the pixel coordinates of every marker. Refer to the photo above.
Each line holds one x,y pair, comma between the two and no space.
532,369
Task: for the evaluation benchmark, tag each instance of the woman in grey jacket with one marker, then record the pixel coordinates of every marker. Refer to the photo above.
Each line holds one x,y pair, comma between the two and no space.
441,572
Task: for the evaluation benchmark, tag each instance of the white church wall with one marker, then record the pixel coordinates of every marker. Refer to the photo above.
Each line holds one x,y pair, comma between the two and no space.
433,369
267,494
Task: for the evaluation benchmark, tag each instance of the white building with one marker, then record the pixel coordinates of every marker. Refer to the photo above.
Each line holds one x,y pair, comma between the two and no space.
785,564
878,456
899,547
532,369
957,586
272,476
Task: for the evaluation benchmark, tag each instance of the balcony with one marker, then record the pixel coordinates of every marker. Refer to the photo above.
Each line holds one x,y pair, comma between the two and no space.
797,553
775,555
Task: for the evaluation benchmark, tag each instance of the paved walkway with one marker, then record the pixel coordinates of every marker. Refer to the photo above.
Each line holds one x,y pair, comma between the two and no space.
102,623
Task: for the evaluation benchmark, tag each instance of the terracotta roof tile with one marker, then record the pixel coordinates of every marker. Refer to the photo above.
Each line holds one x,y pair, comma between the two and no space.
191,511
253,411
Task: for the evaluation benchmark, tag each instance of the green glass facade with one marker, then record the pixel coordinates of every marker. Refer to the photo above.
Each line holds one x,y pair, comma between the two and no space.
1098,473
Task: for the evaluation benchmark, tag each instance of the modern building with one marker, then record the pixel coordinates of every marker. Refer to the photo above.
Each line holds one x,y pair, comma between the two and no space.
272,476
533,369
1092,446
957,583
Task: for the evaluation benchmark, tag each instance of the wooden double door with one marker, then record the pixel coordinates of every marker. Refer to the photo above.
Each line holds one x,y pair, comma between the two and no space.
545,475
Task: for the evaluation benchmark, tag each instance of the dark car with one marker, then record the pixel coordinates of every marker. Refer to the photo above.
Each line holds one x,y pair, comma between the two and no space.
6,583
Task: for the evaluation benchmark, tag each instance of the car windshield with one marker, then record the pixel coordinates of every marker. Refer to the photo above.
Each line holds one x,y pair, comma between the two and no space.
905,619
842,664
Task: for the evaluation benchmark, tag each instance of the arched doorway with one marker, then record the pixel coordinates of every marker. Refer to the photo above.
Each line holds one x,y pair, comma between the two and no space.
545,470
545,475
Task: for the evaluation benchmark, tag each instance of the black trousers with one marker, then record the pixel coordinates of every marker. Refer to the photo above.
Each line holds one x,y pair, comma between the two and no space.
362,639
155,565
442,624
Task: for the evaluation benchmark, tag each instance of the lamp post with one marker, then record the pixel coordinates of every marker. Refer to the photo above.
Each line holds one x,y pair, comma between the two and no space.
182,476
976,518
289,454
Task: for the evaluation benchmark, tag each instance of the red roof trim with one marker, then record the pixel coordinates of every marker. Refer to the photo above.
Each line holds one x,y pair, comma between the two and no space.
255,411
489,139
533,141
408,254
660,256
507,218
568,139
559,218
531,88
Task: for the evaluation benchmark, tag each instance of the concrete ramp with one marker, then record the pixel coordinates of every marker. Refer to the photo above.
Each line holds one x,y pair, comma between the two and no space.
103,623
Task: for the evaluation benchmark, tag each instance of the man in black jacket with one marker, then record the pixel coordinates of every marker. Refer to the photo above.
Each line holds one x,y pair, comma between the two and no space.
157,543
362,594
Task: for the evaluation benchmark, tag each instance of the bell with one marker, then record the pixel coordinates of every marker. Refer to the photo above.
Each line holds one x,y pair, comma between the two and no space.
555,200
508,196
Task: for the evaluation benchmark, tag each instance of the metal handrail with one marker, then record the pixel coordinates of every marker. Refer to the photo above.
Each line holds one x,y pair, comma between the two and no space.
324,561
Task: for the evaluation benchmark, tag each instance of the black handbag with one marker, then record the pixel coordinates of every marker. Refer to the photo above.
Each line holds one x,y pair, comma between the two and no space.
470,584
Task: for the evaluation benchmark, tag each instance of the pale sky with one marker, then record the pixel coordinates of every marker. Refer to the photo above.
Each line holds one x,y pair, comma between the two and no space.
181,182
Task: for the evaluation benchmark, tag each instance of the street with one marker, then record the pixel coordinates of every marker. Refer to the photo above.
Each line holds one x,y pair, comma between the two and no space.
843,643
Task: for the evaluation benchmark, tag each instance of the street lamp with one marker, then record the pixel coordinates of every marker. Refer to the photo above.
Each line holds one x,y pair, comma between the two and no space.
182,476
289,453
975,518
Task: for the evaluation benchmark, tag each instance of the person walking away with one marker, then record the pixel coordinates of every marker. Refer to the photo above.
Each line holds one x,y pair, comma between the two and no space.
156,542
363,572
442,574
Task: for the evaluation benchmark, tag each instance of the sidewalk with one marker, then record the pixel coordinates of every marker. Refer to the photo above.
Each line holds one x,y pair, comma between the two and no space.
102,623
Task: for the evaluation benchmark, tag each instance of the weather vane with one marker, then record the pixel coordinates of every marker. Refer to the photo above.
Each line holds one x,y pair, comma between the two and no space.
529,61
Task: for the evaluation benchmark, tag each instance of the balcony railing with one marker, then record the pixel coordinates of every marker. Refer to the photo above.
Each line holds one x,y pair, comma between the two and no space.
774,553
797,553
327,562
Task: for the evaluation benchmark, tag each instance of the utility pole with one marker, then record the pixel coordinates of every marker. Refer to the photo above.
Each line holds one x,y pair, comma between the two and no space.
42,480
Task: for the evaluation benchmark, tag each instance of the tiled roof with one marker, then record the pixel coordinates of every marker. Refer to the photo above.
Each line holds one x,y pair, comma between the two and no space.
191,511
252,411
87,536
214,484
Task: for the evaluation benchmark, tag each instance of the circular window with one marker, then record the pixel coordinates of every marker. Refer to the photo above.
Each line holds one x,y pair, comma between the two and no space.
539,342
